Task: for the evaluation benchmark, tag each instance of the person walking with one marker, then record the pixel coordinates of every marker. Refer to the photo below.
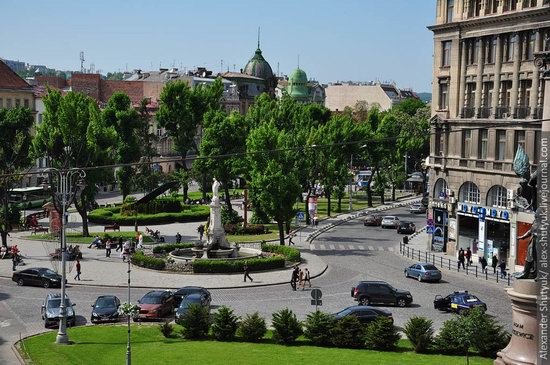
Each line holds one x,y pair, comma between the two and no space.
307,279
483,262
461,258
178,237
200,229
108,247
494,263
502,268
301,279
246,274
119,246
294,278
140,240
290,237
77,277
468,256
13,261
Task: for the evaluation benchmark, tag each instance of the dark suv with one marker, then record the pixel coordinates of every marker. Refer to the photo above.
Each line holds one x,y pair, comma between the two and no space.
369,292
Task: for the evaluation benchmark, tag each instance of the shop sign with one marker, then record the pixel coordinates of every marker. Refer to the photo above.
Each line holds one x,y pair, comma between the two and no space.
438,240
483,212
452,228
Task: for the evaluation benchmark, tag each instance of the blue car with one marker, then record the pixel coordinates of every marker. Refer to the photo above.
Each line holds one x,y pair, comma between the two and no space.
423,271
458,302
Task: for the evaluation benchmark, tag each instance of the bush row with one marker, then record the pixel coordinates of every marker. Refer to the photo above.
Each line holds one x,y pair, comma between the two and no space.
191,213
249,229
152,207
149,262
228,266
162,249
292,254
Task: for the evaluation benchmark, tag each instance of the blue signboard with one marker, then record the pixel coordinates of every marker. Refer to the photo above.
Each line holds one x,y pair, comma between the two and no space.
430,229
301,216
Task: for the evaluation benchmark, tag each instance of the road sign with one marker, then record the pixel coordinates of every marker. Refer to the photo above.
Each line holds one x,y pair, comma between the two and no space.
430,222
316,302
316,294
301,216
430,229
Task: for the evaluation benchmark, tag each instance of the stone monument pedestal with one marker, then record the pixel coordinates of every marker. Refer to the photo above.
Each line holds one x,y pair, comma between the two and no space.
523,346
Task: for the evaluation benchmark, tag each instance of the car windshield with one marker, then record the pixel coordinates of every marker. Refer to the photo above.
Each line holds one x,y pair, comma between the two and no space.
471,299
105,303
430,267
47,272
186,303
389,218
56,303
151,299
188,291
344,312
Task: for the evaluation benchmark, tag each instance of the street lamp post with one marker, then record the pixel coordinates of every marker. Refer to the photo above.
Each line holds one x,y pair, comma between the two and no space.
68,182
350,183
128,346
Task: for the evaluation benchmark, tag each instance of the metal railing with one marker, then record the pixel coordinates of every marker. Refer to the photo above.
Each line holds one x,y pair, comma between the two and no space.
502,112
484,112
454,265
468,112
523,112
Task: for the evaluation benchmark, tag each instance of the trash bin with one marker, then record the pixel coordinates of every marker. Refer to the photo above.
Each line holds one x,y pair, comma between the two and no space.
405,240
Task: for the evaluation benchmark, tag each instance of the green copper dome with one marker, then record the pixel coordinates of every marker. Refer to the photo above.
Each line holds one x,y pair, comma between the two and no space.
297,84
258,66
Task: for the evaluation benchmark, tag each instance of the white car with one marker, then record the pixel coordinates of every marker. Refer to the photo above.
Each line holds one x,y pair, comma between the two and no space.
390,221
417,208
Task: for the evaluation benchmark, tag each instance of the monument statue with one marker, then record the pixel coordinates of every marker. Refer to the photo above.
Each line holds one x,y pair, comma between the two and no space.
530,267
215,189
526,195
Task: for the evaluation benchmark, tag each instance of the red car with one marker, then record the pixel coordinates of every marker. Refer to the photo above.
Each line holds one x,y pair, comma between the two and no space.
156,304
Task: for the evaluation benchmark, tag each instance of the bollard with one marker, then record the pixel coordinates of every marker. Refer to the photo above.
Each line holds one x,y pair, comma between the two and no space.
486,276
407,252
467,269
441,257
433,258
497,277
508,279
476,271
419,255
457,266
426,255
449,264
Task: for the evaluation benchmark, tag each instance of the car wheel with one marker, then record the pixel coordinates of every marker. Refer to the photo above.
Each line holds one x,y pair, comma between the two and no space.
420,277
401,302
364,301
20,282
406,274
46,284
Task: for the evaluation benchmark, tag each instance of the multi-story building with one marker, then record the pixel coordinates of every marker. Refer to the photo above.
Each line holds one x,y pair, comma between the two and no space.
487,98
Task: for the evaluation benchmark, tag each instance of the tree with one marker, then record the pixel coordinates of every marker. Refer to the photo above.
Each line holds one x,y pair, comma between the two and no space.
181,113
147,177
125,120
15,142
73,134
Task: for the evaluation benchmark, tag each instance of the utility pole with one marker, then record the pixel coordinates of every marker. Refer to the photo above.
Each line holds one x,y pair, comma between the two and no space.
350,183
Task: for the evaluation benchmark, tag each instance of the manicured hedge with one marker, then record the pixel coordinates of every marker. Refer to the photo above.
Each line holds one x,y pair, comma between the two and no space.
238,229
171,247
149,262
191,213
228,266
292,254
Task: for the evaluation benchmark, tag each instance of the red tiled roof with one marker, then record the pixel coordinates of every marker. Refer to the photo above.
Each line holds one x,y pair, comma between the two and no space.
10,80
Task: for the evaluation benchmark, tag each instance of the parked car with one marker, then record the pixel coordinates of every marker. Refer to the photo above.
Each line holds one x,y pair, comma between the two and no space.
51,310
458,302
364,314
156,304
191,299
188,290
372,220
369,292
423,271
406,227
105,309
417,208
38,276
390,221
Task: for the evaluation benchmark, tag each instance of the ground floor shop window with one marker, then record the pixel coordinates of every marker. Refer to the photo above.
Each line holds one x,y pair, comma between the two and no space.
468,233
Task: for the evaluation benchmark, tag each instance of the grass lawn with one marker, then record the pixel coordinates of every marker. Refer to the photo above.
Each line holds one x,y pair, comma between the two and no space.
75,237
107,345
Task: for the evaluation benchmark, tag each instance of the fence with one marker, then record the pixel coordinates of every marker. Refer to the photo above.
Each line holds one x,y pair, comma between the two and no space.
451,265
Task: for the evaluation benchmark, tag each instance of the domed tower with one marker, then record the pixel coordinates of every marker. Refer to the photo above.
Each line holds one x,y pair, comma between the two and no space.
258,66
297,86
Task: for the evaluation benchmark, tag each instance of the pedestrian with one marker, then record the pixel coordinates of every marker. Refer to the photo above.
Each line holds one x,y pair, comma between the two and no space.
307,279
125,251
483,262
502,268
119,246
468,255
200,229
290,237
294,278
140,240
108,247
178,237
246,274
96,242
77,277
494,263
461,258
14,261
3,252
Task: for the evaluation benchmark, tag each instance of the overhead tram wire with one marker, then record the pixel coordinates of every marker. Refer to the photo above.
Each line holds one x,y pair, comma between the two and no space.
280,150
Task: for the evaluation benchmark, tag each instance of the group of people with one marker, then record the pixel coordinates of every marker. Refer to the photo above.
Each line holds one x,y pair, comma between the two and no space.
465,256
123,246
300,278
15,255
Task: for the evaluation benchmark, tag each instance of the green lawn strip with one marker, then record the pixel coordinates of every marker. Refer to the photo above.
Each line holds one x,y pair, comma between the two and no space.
74,237
107,345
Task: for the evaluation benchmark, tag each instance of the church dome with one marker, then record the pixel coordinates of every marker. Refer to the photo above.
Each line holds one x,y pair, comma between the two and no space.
297,84
259,67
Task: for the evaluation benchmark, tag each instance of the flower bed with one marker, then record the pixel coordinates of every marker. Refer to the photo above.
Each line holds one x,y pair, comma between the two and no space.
165,249
229,266
290,253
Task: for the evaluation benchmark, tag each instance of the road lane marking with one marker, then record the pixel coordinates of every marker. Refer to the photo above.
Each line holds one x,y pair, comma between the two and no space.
371,248
332,247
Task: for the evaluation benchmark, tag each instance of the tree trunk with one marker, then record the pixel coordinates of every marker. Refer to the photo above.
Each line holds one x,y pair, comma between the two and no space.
81,209
308,218
280,225
369,195
203,187
287,226
393,192
328,202
227,197
4,231
185,191
382,192
339,207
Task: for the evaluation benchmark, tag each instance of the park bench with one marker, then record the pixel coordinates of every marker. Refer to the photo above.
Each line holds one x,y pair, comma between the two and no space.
113,227
38,229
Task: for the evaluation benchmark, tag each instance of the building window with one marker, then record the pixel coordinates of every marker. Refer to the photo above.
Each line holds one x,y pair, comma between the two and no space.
159,132
469,193
472,49
466,142
39,118
537,148
474,8
529,3
438,141
497,197
546,40
500,153
8,103
529,45
490,49
440,189
509,5
519,140
17,103
1,103
508,49
487,95
443,94
483,144
446,59
26,103
491,6
523,110
506,93
450,10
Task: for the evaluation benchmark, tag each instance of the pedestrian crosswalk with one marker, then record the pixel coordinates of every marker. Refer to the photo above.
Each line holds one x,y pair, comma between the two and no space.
349,247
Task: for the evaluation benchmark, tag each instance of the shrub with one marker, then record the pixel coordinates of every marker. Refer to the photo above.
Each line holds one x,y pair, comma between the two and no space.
259,217
225,324
449,340
195,322
226,266
489,336
161,249
166,329
230,216
149,262
252,328
382,335
348,332
420,332
286,326
292,254
238,229
190,213
317,328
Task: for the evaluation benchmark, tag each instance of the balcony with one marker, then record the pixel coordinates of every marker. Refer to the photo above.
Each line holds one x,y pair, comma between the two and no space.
538,113
523,112
484,112
502,112
468,112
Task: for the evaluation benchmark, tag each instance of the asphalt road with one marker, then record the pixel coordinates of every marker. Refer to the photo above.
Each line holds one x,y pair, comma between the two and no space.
352,251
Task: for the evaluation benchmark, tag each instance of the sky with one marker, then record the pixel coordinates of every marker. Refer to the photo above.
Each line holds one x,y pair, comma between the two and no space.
338,40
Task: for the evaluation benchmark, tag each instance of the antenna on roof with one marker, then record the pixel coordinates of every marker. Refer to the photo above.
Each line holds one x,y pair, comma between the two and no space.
82,61
258,37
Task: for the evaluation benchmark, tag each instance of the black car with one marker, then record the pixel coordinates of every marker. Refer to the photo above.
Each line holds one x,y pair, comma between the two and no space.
406,227
188,301
364,314
368,292
38,276
105,309
181,293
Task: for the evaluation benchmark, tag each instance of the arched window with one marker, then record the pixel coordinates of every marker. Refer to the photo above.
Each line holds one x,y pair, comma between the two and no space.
469,193
440,189
497,196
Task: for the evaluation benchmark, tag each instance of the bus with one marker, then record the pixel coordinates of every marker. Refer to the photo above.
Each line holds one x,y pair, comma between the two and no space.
28,198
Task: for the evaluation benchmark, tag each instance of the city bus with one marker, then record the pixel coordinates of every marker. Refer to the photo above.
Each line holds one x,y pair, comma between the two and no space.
28,198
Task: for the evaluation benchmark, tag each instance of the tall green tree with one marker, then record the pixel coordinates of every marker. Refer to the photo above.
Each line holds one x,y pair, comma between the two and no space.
15,141
127,123
147,178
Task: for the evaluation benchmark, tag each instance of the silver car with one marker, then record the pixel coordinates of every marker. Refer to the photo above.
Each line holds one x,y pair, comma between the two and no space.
423,271
390,221
417,208
51,310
